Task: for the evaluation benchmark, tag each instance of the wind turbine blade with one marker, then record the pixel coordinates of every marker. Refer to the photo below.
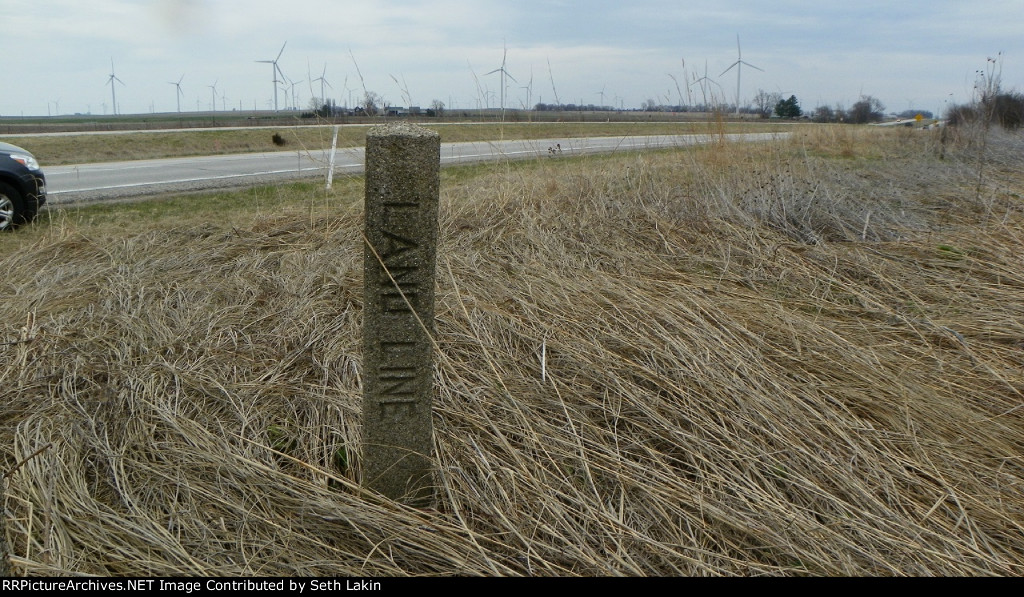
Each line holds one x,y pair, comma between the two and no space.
281,52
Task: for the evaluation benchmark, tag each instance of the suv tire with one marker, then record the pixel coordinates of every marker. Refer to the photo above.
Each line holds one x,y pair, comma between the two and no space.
14,211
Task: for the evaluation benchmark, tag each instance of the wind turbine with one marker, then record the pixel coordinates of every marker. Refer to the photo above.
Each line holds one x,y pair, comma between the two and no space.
323,81
179,92
739,66
111,79
529,91
601,93
348,93
292,84
504,73
284,89
213,96
275,70
704,87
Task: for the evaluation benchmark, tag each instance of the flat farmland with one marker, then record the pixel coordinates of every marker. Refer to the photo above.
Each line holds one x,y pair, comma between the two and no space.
54,149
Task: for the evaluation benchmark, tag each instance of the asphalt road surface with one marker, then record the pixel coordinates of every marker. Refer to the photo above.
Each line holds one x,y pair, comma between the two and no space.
121,180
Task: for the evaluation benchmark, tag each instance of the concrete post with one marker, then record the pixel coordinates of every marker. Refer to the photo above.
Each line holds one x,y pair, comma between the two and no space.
403,164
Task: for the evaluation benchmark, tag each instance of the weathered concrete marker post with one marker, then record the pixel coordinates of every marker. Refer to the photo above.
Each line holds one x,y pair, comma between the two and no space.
403,164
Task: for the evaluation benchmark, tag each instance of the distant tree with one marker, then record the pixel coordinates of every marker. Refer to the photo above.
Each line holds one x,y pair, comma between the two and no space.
1004,108
650,105
868,109
823,114
321,108
959,114
1007,108
371,103
438,108
991,104
788,108
764,102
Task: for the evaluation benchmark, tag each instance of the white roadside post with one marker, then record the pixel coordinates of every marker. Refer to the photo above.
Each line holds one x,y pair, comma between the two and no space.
330,162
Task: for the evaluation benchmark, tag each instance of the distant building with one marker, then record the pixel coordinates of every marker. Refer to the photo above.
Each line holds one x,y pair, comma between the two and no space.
410,111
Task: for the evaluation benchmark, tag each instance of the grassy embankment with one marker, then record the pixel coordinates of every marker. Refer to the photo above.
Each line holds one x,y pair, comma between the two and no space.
803,357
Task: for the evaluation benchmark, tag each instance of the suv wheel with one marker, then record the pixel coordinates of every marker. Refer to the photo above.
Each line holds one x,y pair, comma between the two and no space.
12,208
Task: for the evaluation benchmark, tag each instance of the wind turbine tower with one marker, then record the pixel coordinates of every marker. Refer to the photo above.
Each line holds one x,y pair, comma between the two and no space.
701,81
275,70
179,93
529,92
739,66
213,96
111,79
292,84
323,80
504,73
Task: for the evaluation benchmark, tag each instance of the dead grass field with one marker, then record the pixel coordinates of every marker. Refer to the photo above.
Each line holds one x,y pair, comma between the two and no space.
795,358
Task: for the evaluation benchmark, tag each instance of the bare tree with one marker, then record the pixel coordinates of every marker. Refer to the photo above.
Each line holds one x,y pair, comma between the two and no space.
823,114
765,102
868,109
371,103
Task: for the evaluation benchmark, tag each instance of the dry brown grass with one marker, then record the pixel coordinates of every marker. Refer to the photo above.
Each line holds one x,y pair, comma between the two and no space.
710,361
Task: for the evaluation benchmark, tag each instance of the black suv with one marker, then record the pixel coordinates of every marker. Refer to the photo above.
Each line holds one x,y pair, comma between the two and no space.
22,187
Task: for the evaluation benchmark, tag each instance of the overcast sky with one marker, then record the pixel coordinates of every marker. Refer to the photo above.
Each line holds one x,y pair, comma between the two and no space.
57,53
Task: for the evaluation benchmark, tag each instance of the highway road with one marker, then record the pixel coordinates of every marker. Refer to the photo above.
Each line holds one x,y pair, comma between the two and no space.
120,180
